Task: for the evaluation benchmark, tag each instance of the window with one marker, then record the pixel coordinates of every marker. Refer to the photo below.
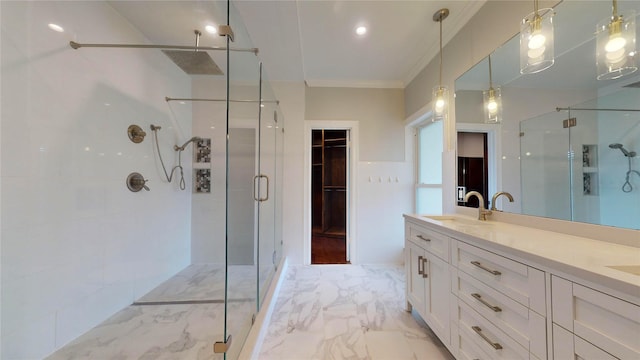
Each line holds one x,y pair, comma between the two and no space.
429,168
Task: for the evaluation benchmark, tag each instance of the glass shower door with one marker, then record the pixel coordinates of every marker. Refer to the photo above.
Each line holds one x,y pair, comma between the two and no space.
266,188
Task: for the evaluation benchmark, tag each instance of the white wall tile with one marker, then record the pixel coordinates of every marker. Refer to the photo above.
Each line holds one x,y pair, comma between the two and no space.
77,244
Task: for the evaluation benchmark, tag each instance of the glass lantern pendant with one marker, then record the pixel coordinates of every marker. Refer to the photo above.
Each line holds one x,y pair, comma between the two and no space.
440,108
616,45
536,41
492,101
440,96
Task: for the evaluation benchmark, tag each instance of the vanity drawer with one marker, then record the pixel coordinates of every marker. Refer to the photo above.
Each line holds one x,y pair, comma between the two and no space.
607,322
490,339
519,322
432,241
520,282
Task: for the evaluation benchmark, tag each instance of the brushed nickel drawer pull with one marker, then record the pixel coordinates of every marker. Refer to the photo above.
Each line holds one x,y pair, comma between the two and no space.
478,331
419,236
424,267
420,271
485,303
494,272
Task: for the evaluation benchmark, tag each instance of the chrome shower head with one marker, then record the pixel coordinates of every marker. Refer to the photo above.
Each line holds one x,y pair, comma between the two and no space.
624,151
181,148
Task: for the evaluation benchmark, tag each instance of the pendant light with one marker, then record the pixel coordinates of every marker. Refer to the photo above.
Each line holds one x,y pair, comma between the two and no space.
536,40
440,93
492,101
616,45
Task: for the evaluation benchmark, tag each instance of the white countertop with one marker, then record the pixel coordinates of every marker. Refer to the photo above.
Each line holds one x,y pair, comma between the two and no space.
584,258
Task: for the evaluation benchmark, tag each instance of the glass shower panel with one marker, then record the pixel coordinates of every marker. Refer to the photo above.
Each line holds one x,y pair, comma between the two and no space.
278,245
243,164
606,168
544,166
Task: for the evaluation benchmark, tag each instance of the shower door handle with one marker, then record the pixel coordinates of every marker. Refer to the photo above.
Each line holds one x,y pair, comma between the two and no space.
255,197
254,187
267,196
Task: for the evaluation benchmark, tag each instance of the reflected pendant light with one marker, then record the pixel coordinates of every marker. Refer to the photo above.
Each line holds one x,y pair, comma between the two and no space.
492,102
616,45
536,40
440,93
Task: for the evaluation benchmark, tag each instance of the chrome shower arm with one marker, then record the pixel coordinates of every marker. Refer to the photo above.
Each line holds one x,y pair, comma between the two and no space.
76,46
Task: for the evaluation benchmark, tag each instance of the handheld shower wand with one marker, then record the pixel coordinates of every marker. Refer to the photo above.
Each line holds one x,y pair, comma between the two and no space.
624,151
181,148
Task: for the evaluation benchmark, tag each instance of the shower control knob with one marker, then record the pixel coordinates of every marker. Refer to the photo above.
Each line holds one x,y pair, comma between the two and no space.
136,134
136,182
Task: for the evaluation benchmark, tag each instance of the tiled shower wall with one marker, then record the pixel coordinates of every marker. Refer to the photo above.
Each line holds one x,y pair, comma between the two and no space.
76,244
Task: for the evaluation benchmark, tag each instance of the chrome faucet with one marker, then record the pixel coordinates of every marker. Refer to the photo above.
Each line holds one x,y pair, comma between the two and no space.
496,195
482,212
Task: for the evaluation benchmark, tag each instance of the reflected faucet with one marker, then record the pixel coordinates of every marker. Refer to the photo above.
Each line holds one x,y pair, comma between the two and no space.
482,212
496,195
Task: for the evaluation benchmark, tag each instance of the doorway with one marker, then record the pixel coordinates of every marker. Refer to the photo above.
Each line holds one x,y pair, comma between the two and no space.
473,171
329,196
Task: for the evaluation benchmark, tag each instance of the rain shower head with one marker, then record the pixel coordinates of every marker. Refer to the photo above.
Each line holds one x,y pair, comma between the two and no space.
194,62
624,151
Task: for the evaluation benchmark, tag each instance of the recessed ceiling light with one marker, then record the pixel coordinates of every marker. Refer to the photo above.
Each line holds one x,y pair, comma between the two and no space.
55,27
211,29
361,30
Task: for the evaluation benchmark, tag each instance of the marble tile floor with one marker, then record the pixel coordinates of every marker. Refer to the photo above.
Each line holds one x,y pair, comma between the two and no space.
346,312
173,331
321,312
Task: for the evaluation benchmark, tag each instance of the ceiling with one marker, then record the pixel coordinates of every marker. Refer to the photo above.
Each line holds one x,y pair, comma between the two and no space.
315,41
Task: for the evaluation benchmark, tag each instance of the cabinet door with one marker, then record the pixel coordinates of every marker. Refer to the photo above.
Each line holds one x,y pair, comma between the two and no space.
415,280
438,296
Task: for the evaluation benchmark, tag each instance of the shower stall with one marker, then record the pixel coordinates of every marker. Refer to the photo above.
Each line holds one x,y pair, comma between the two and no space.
140,180
579,163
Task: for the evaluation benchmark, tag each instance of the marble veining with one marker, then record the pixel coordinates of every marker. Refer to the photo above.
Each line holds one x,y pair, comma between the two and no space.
173,331
346,312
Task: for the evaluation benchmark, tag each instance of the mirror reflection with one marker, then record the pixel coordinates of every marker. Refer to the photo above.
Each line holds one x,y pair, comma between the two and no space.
566,145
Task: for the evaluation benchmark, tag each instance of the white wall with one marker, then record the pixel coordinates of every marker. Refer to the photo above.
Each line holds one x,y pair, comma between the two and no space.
77,245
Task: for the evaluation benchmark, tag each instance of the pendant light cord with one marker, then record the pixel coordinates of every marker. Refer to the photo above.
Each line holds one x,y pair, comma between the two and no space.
615,9
535,6
440,51
490,77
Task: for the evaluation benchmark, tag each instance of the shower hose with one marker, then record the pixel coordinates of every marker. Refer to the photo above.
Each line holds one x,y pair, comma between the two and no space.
169,177
627,187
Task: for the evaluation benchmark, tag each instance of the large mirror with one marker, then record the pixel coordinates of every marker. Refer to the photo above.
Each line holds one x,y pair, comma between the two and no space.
568,145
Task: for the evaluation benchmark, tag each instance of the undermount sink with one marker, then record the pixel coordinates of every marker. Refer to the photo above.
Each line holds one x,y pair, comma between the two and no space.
462,220
631,269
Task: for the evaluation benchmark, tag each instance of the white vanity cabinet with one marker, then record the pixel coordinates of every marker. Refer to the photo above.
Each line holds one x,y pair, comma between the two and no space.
500,304
428,277
598,325
522,293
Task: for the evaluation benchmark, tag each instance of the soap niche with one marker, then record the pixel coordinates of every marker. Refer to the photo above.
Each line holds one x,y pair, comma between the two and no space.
202,181
202,151
590,169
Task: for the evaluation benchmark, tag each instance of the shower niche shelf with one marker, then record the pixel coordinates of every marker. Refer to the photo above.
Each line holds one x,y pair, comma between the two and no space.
202,151
589,169
202,181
